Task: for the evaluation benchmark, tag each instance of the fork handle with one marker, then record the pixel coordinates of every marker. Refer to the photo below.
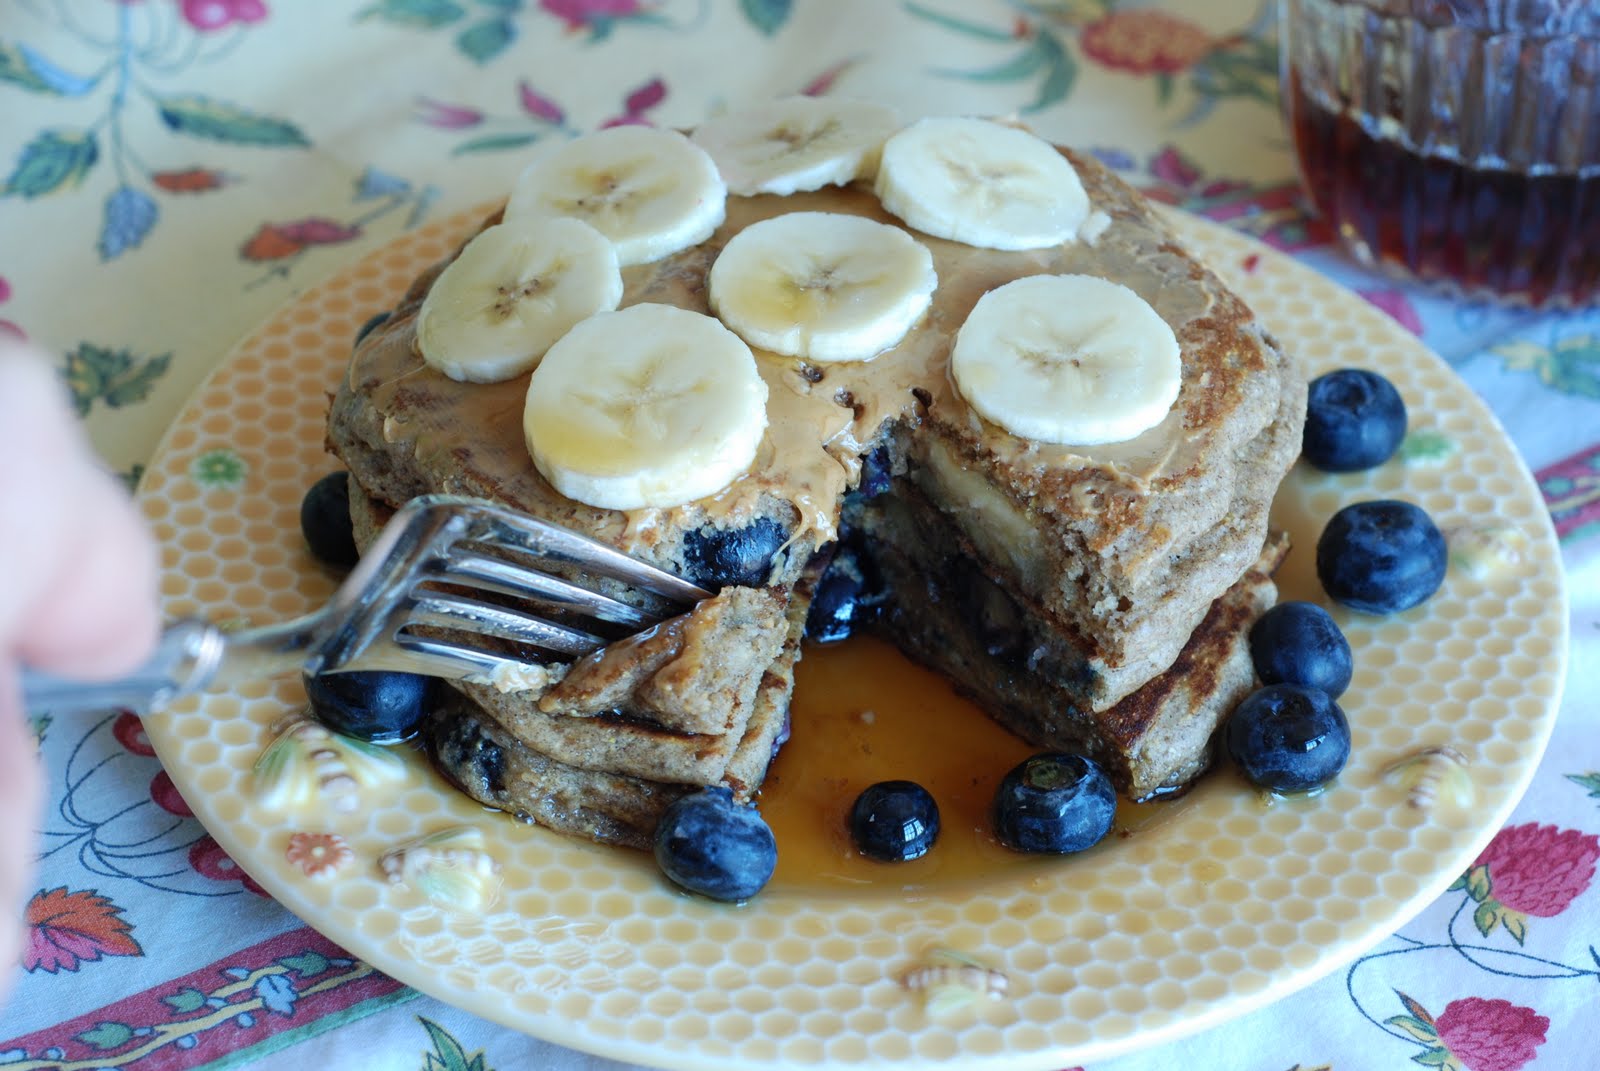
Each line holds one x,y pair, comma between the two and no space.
189,656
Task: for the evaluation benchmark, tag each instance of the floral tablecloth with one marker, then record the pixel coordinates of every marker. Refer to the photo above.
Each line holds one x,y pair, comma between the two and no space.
174,170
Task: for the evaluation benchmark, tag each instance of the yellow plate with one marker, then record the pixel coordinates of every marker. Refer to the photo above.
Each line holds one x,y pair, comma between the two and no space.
1227,906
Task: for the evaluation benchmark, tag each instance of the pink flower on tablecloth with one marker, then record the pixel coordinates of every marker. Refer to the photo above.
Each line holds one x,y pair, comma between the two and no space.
129,731
166,796
637,103
209,15
824,82
447,116
1146,41
1491,1035
1397,305
69,928
7,328
210,861
582,14
538,105
1175,169
1539,870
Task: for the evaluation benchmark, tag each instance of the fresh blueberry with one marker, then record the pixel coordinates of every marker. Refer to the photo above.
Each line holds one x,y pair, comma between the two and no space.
325,521
378,705
1298,643
1355,419
372,324
846,597
717,557
1054,803
1381,557
1289,739
710,845
894,821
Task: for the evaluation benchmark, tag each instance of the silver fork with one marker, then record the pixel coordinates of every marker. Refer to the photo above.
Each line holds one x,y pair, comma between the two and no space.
396,611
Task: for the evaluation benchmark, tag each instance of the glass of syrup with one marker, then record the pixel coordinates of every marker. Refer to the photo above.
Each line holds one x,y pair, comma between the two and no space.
1454,141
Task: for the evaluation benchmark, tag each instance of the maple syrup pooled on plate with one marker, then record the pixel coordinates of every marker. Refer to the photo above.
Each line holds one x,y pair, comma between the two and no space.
864,713
1455,141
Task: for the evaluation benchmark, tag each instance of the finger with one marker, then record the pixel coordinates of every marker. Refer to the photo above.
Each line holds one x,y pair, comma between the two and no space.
21,792
83,601
40,471
98,618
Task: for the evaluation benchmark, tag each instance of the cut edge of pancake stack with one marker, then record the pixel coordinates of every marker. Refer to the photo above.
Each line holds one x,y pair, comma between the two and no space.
980,364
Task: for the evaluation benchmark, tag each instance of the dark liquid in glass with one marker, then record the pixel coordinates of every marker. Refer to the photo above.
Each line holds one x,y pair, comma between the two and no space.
1532,238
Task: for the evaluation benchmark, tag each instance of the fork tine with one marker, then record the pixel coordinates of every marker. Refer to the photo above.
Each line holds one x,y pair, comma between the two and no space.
488,523
441,658
435,658
479,570
487,619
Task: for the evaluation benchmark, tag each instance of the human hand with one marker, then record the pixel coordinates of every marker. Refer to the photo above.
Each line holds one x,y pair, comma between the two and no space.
78,597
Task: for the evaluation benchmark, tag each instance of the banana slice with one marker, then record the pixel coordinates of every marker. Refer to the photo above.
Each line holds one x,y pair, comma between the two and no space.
652,192
797,143
649,406
513,290
1067,359
981,184
822,285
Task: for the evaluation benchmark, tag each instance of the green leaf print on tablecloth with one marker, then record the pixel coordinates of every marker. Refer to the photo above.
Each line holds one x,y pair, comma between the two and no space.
768,16
62,159
114,377
448,1053
422,14
1570,365
1048,40
54,159
202,117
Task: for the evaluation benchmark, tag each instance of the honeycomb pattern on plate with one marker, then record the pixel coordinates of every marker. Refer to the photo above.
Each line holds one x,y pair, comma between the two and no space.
1208,912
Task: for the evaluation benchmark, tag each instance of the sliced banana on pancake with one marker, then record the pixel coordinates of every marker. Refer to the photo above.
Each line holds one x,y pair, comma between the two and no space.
652,192
649,406
514,290
982,184
1067,359
822,285
797,143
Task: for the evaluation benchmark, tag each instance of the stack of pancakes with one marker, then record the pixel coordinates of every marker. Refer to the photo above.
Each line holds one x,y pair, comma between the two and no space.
1093,599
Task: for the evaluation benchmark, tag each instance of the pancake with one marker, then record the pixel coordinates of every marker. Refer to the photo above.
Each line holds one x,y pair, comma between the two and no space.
1124,560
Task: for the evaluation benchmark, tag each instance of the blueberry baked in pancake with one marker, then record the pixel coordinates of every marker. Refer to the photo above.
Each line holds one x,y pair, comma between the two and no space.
979,362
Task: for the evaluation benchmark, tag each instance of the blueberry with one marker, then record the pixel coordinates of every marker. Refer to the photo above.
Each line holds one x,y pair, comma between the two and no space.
1355,419
710,845
1298,643
894,821
717,557
1381,557
847,596
378,705
469,755
1288,738
782,736
325,521
876,473
373,323
1054,803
